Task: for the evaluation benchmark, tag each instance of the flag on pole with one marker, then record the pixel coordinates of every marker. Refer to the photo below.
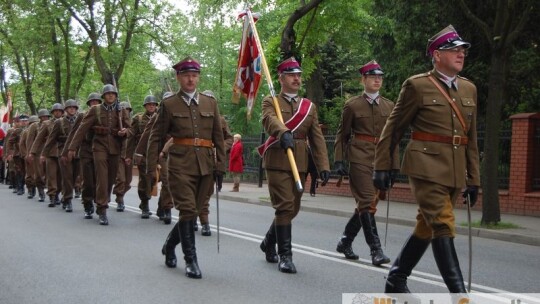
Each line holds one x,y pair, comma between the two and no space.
248,72
6,114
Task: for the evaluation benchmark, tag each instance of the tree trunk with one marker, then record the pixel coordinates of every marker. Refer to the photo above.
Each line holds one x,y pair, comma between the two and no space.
56,64
491,213
315,87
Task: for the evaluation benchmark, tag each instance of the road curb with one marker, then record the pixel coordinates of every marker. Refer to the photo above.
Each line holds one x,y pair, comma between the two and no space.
476,232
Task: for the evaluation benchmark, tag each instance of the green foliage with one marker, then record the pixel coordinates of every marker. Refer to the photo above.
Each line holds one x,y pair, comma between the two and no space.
494,226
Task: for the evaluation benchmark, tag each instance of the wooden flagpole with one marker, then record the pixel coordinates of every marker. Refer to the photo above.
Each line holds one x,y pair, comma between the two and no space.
290,154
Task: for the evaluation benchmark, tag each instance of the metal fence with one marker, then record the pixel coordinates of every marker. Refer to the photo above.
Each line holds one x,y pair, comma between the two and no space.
253,161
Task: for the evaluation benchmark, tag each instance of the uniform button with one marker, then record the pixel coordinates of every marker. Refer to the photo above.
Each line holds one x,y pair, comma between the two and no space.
434,100
454,115
194,118
455,131
425,149
455,147
453,99
196,149
468,102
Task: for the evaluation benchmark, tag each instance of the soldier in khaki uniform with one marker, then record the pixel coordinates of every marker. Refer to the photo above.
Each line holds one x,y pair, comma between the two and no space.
301,124
49,156
442,157
86,159
138,124
109,124
38,168
15,154
165,202
24,144
10,176
362,121
192,120
125,169
58,137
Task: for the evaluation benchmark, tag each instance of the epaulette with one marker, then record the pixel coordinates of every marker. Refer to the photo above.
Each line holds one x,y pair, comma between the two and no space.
208,95
420,75
461,77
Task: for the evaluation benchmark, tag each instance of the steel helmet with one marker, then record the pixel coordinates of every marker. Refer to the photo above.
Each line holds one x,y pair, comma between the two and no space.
126,105
33,118
93,96
71,103
109,88
150,99
43,112
57,106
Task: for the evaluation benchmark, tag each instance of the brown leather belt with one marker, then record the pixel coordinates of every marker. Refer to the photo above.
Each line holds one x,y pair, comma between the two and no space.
367,138
299,136
455,140
196,142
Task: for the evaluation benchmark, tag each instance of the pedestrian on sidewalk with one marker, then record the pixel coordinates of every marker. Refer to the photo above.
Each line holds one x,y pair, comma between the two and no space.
236,161
361,125
442,157
300,114
195,157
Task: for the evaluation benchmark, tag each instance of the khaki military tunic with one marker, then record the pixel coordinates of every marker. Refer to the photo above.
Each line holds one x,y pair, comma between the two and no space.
190,165
35,168
283,193
437,171
358,133
52,166
138,126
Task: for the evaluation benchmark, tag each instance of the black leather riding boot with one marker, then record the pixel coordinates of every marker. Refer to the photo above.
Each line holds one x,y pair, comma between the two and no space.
345,243
372,238
145,210
41,193
88,210
69,206
283,237
167,250
410,254
268,245
448,263
187,235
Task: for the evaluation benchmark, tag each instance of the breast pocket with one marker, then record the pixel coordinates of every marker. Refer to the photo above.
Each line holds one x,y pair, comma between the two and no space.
207,120
182,120
468,105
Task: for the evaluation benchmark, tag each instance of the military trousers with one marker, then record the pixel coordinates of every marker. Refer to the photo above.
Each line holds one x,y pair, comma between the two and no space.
190,190
88,185
144,186
39,173
106,168
361,184
435,216
284,195
123,178
54,177
166,201
70,171
30,175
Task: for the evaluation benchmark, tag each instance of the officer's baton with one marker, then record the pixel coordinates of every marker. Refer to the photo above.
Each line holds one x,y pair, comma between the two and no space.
469,283
387,215
217,210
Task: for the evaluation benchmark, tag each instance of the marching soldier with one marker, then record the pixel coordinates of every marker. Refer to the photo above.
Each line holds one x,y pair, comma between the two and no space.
58,137
15,154
442,157
203,216
86,159
362,121
138,125
109,124
125,170
165,202
301,124
49,156
192,119
30,175
38,167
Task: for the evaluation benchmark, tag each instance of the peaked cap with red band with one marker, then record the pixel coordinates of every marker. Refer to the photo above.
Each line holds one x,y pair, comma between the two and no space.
446,39
187,64
289,66
371,68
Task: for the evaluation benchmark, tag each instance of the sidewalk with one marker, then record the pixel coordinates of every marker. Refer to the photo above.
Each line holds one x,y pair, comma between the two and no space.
400,213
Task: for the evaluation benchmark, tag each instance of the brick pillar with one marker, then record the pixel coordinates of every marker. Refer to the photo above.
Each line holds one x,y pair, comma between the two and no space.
521,161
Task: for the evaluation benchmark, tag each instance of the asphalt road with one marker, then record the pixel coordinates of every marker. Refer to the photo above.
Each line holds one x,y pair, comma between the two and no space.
49,256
